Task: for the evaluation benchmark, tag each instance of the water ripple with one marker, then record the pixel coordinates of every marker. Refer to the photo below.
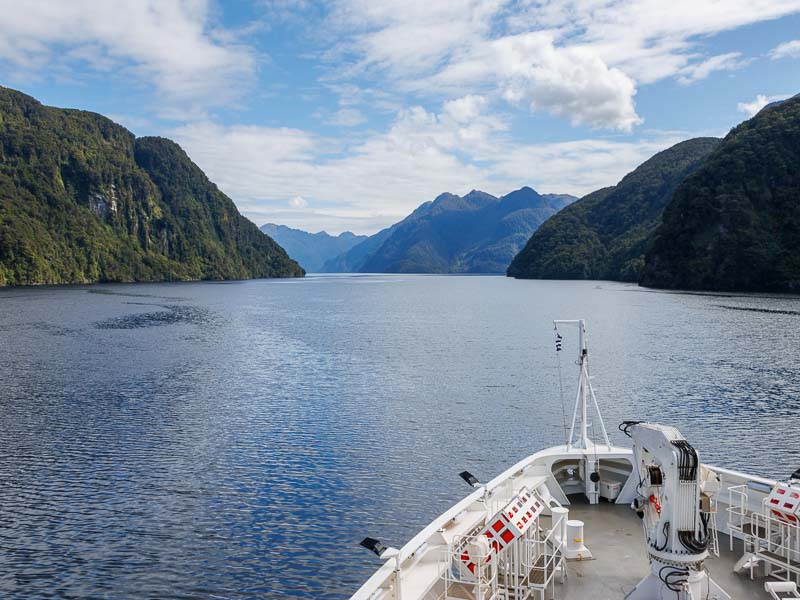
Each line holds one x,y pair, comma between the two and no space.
171,315
240,443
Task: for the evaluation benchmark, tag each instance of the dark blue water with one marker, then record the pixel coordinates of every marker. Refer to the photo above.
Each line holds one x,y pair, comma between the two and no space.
234,440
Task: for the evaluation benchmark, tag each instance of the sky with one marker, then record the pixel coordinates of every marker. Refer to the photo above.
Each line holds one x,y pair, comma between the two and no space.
348,114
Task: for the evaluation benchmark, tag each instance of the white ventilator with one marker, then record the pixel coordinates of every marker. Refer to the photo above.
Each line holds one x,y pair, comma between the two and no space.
668,501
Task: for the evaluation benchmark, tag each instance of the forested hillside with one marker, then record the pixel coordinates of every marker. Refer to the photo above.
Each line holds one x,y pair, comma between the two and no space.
83,200
735,223
604,235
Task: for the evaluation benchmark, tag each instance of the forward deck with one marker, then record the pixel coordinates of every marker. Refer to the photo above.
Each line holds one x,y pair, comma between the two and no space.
614,535
449,558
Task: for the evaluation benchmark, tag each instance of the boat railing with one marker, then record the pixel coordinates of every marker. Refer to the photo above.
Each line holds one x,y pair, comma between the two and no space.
777,543
738,514
708,508
467,573
524,568
543,558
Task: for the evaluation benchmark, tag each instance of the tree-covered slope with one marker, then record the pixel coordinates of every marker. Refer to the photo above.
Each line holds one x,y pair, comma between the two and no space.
476,233
735,223
604,235
83,200
311,250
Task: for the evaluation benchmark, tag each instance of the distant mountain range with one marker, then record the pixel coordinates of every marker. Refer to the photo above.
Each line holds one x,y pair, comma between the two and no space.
476,233
604,234
311,250
83,200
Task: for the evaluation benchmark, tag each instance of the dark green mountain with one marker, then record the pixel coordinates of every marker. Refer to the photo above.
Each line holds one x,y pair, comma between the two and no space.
83,200
476,233
604,235
311,250
735,223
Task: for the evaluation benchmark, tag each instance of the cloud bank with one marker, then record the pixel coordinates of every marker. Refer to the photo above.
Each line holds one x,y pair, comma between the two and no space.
169,44
308,181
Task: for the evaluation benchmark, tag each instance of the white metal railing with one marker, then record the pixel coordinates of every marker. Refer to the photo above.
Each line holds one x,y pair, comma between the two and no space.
545,556
737,513
467,571
710,516
515,582
526,567
777,543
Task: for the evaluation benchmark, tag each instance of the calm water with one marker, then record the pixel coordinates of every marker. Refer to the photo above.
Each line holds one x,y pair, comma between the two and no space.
239,439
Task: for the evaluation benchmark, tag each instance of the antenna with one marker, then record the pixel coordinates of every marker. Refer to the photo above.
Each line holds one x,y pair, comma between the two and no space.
585,393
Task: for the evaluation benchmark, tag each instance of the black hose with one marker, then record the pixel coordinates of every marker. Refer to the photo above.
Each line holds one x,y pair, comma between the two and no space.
665,531
626,425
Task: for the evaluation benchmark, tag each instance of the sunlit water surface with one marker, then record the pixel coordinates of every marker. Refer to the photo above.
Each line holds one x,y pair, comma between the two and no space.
236,440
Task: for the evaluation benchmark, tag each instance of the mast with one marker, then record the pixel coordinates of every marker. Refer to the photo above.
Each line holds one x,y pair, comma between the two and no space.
585,394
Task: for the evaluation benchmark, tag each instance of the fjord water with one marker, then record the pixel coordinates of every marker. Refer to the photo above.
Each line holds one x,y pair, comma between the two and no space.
233,440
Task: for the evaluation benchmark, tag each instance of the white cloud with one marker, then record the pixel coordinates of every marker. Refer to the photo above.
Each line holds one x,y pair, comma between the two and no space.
752,107
578,167
298,202
571,83
786,50
384,176
410,37
722,62
465,109
379,179
170,44
578,59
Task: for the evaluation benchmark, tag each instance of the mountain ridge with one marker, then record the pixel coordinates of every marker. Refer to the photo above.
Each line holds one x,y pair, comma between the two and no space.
734,225
474,233
84,200
311,250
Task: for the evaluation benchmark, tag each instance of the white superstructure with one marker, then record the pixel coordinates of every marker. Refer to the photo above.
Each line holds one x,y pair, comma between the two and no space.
649,528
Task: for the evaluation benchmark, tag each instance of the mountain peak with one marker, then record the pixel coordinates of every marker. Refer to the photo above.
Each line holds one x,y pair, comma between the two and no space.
525,197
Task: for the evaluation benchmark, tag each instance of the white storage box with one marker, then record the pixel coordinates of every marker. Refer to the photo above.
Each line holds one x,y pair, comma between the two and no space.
610,490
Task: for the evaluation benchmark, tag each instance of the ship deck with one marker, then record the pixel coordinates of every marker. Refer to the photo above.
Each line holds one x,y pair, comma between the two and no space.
613,533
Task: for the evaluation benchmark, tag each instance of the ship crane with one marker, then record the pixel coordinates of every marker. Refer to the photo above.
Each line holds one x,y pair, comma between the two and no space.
668,502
